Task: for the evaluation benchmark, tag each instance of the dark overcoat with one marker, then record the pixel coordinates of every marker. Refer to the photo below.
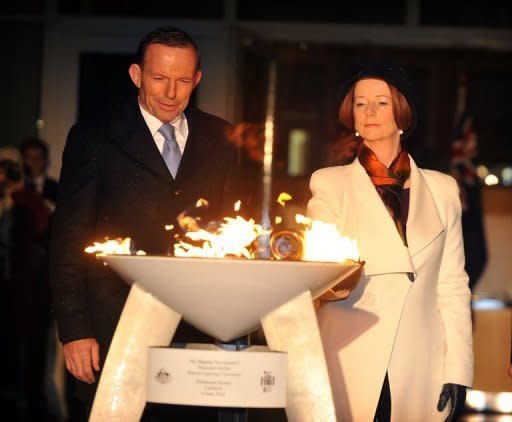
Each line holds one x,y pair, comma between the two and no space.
114,183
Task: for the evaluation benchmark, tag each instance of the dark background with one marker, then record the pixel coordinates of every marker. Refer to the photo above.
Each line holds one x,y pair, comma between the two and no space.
309,74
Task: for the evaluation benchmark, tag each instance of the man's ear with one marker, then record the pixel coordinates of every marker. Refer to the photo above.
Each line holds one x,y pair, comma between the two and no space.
197,77
135,74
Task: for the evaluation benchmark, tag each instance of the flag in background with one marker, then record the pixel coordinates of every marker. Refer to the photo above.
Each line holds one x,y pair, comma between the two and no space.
464,151
463,169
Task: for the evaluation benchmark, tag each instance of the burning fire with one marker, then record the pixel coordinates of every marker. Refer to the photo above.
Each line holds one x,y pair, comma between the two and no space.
113,247
238,237
322,242
233,237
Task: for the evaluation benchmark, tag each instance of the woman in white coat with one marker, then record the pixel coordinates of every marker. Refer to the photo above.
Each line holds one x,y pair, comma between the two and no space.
400,347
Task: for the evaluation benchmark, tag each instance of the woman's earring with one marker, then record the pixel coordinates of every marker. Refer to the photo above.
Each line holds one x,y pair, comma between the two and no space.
401,132
357,134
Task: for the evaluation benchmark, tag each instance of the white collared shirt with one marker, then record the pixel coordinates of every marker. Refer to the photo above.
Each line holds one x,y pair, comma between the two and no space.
180,129
39,182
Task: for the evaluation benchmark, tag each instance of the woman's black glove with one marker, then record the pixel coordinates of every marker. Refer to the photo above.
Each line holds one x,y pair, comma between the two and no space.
457,394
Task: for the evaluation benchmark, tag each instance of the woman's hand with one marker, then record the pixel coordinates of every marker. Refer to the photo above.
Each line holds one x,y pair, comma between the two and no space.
457,395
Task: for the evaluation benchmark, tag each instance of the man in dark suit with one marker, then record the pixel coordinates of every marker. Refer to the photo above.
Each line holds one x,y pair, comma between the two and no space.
34,152
128,174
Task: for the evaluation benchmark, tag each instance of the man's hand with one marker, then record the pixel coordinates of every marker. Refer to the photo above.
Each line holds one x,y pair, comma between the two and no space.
82,356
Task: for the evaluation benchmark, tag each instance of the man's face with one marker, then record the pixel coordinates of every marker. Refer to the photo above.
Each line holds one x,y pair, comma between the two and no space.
34,161
166,80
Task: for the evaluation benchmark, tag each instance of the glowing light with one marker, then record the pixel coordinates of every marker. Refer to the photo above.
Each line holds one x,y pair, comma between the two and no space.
298,151
504,402
506,176
475,399
278,219
237,205
169,227
482,171
268,147
491,180
487,304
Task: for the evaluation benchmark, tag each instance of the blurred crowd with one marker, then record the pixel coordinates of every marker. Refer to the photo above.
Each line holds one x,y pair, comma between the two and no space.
27,201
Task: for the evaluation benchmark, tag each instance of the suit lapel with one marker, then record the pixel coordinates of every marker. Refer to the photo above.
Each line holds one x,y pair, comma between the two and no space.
424,223
379,243
198,149
130,133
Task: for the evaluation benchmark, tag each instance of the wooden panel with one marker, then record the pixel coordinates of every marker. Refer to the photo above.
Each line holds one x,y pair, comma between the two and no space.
497,200
492,336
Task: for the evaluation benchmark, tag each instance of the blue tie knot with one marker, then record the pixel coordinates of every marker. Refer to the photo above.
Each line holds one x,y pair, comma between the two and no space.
167,130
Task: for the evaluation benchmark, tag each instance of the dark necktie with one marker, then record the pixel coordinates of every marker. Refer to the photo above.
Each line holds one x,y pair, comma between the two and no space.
171,151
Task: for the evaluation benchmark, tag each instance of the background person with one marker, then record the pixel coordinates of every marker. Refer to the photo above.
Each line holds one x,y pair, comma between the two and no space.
35,155
25,298
400,347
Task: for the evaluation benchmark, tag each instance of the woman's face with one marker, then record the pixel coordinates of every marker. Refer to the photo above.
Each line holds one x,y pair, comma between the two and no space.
373,111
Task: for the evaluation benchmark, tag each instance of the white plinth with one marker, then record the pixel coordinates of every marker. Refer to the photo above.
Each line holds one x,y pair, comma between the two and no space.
225,298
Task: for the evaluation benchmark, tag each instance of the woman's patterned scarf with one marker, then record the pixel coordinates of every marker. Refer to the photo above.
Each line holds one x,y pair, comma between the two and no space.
389,182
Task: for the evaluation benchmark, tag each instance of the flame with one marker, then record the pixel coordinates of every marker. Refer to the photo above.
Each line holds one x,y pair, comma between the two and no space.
113,247
232,238
301,219
237,205
201,202
318,241
283,197
188,222
322,242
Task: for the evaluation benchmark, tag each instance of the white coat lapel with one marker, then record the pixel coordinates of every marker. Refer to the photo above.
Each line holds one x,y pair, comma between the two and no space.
380,245
423,223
